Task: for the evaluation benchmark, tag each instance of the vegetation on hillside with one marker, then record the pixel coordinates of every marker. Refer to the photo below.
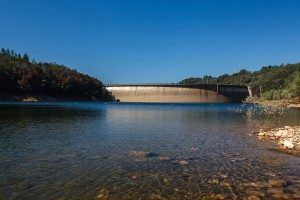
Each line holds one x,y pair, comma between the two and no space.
271,82
20,76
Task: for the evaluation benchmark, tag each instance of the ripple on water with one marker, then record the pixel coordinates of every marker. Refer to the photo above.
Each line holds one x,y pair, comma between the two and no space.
119,151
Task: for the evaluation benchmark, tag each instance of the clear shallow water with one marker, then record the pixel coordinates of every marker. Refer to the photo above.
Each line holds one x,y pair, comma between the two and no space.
146,151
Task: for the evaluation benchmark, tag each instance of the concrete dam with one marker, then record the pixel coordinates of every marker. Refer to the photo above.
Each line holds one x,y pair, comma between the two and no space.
178,93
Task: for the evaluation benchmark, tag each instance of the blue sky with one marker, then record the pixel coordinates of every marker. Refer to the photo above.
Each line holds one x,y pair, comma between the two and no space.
136,41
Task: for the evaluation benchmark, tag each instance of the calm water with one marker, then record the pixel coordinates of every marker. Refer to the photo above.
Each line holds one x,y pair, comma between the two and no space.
127,151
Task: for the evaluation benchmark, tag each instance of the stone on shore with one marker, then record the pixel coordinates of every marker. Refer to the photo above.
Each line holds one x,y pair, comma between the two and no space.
288,143
288,137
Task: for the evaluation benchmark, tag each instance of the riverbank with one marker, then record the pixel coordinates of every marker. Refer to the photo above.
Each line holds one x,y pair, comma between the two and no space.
287,138
45,98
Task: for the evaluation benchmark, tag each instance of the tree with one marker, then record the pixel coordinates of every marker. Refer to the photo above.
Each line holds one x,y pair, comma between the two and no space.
20,76
26,57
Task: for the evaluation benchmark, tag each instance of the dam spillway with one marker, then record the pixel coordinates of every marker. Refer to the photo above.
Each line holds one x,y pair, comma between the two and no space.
178,93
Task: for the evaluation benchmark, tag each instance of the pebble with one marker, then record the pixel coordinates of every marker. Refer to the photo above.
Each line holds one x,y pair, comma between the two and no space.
270,174
296,196
183,162
259,184
275,190
103,194
254,193
134,177
166,181
223,176
275,182
281,196
156,197
213,181
224,184
193,148
253,198
164,158
288,183
261,134
220,196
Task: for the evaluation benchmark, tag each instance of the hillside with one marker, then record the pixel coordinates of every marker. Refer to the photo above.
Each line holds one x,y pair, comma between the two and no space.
270,82
20,77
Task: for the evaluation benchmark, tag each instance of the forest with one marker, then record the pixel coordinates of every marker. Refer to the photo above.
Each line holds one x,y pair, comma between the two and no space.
269,83
21,76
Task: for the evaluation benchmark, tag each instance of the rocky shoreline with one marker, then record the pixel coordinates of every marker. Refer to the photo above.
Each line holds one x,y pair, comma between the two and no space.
279,104
287,138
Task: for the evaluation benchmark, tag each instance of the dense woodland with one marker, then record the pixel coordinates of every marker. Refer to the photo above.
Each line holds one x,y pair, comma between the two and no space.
270,82
20,76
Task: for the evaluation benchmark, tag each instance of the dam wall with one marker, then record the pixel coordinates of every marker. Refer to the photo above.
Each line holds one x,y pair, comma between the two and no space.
177,93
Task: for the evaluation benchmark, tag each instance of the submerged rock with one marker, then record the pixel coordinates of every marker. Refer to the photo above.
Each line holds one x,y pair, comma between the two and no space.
288,183
254,193
220,196
223,176
257,184
134,176
143,154
183,162
151,154
156,197
164,158
194,148
224,184
213,181
103,194
275,182
270,174
275,190
281,196
253,198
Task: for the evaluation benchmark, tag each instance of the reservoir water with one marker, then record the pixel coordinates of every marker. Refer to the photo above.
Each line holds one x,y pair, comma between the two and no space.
145,151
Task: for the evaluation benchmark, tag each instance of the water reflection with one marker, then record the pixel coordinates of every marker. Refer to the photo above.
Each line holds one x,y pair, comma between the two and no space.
51,151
